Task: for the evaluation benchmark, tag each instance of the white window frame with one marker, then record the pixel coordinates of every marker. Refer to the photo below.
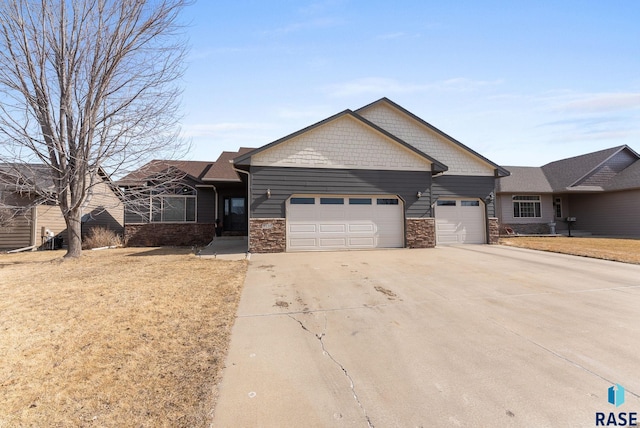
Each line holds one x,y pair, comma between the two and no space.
528,204
557,206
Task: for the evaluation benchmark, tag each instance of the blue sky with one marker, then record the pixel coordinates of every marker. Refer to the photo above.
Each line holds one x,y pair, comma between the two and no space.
522,83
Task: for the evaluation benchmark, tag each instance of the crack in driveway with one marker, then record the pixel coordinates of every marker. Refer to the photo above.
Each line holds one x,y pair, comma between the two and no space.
320,338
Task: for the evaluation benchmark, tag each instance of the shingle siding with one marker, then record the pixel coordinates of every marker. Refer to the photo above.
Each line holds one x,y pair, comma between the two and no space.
283,182
457,186
399,124
343,143
609,169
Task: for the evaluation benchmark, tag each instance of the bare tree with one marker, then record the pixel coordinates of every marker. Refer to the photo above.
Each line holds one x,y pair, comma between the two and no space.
88,85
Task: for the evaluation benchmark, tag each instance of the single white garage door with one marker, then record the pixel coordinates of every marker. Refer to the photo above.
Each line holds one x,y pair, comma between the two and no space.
460,221
328,222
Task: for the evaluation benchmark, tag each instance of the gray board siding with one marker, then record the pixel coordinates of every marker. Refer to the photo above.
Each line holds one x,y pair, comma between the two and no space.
465,186
284,182
206,201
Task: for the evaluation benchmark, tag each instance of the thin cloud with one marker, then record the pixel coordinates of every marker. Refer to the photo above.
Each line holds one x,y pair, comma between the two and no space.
397,35
604,102
379,85
582,103
216,129
313,112
313,24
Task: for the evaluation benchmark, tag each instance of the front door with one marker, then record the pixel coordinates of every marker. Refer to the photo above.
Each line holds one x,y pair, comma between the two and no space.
235,214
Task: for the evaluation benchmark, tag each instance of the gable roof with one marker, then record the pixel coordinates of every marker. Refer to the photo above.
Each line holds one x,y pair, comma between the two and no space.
198,171
222,168
567,172
629,178
436,166
194,170
615,168
26,177
526,179
500,171
36,178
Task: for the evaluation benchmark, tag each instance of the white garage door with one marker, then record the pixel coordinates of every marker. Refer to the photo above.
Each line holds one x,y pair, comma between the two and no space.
460,221
327,222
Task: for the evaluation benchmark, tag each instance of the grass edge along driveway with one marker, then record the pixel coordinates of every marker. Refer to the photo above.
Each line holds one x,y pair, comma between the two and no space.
615,249
134,337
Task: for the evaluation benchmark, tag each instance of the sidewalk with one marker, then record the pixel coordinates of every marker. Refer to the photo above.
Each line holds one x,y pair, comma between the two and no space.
226,248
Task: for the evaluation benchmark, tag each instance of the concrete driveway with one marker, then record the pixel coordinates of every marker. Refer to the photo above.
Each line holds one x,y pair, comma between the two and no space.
472,336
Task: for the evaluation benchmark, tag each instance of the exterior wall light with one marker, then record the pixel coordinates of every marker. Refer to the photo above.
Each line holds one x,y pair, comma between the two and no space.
419,194
268,193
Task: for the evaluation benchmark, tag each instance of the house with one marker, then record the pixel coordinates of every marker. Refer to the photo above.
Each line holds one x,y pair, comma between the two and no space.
29,214
375,177
601,190
181,202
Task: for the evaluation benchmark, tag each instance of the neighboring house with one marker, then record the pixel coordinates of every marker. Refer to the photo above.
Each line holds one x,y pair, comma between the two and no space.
28,213
180,202
375,177
600,189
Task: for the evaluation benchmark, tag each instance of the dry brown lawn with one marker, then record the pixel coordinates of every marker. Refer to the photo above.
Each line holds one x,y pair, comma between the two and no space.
125,337
621,250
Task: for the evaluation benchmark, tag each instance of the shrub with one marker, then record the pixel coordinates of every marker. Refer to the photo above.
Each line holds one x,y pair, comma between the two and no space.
100,236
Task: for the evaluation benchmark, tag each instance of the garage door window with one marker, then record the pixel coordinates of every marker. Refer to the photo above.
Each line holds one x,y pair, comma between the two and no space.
359,201
331,201
387,201
303,201
446,203
470,203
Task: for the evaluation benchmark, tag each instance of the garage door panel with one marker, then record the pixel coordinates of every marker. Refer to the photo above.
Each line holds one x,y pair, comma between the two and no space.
301,228
332,228
361,228
333,242
303,243
460,221
341,222
364,242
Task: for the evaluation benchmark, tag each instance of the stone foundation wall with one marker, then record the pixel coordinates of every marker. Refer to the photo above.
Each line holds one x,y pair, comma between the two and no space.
168,234
526,229
420,232
267,235
494,230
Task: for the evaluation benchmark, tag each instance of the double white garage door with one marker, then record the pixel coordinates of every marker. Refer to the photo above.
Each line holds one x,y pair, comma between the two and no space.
317,223
327,222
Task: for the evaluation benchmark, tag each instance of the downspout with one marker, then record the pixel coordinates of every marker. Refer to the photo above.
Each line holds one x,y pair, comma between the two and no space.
248,203
34,225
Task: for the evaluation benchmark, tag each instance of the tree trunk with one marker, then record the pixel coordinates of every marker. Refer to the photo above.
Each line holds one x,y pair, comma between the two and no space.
74,233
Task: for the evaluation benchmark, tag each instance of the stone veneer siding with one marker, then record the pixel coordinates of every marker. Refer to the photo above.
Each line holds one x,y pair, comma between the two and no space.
267,235
168,234
494,230
421,232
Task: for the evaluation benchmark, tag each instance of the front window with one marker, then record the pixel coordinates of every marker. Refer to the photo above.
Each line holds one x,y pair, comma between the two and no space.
526,206
173,209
